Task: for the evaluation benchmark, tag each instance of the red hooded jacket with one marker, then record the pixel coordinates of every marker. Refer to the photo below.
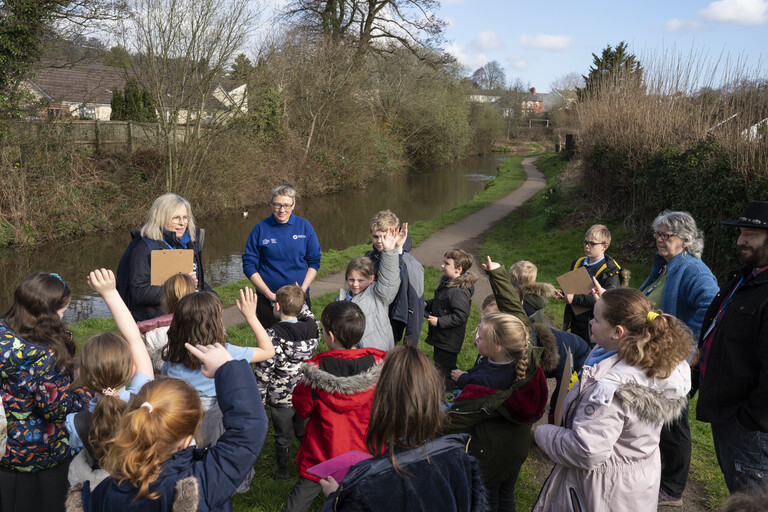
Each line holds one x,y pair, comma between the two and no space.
336,393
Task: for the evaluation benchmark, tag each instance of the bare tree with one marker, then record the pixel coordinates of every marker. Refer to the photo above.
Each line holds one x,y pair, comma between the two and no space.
181,50
368,23
490,77
568,82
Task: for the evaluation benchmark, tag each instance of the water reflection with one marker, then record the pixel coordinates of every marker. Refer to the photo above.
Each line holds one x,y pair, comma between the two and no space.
340,220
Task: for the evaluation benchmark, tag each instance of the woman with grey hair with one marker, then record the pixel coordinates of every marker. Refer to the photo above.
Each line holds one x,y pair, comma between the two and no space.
681,285
281,249
169,225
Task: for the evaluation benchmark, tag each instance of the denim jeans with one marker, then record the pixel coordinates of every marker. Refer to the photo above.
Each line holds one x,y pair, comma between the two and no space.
742,455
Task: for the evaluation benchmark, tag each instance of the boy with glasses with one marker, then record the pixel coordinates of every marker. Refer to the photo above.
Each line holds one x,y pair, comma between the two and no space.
599,265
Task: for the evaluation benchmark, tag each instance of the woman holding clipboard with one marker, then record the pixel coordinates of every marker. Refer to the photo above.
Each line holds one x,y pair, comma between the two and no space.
169,225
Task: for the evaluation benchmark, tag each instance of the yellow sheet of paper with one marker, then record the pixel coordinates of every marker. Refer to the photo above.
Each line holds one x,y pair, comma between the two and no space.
577,282
167,262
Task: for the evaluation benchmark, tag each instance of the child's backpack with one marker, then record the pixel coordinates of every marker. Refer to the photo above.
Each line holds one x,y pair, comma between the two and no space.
124,267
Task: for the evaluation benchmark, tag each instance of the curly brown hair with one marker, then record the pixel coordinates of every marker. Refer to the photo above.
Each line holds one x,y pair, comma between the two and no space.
197,321
657,346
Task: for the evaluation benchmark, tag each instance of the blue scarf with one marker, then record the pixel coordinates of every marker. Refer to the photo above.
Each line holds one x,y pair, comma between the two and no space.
598,355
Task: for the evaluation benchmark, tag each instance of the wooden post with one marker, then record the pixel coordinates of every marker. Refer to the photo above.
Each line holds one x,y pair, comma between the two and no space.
98,136
130,137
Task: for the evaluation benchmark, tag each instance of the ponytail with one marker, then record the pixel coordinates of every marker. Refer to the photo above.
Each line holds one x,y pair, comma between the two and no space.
161,416
654,342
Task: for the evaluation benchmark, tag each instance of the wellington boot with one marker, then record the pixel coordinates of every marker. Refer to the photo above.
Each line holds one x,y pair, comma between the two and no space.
282,459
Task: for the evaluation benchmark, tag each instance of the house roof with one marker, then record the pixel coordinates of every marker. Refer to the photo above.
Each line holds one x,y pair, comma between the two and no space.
63,82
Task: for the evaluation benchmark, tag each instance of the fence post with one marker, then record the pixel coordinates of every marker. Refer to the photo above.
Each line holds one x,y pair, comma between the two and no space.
98,137
130,137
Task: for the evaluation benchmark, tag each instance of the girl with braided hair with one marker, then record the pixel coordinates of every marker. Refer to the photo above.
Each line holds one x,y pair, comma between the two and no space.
503,395
635,380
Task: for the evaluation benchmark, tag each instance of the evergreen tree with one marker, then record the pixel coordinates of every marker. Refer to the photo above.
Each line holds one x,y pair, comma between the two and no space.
242,68
118,106
134,104
613,70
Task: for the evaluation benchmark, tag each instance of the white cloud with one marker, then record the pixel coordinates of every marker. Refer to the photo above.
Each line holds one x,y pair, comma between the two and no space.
678,25
739,12
545,42
517,61
471,61
486,40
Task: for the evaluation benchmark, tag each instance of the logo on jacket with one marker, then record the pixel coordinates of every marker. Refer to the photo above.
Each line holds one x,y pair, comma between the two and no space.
299,236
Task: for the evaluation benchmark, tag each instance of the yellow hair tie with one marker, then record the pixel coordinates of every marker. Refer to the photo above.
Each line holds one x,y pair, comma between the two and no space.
651,316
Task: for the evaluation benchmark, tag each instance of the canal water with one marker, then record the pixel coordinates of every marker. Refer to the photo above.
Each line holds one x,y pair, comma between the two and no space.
340,220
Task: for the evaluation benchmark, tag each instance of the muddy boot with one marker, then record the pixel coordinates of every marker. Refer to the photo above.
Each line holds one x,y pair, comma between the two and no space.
282,459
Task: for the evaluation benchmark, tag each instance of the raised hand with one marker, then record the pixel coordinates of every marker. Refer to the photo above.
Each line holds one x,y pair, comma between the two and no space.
401,236
490,265
247,302
389,239
102,280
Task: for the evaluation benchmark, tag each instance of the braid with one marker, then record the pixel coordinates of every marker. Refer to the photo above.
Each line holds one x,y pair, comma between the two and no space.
522,366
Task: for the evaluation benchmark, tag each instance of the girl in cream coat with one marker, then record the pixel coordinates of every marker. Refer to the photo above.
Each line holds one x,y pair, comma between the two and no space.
635,380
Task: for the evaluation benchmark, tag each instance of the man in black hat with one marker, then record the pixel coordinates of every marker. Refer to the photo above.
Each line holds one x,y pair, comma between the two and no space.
733,367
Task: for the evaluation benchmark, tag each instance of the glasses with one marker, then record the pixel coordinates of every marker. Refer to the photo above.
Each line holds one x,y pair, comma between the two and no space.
278,207
589,244
180,220
663,236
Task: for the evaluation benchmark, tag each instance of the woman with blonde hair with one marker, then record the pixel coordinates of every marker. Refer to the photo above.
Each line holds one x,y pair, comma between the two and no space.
169,225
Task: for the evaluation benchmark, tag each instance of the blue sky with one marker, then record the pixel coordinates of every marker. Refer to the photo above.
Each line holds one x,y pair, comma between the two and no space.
541,41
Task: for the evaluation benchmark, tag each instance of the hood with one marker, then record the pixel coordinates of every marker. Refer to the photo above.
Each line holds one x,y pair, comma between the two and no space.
550,355
542,289
650,399
466,281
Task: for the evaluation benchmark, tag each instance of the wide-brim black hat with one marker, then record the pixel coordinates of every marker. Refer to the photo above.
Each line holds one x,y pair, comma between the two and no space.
755,216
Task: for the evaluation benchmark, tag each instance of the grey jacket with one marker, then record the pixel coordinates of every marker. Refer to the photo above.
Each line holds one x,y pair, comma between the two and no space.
375,301
607,453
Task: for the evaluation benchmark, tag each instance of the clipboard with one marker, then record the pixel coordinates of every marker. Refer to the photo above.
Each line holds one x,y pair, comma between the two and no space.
565,379
576,282
165,263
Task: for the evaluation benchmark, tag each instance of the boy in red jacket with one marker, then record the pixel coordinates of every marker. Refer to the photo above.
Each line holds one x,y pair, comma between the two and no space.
335,394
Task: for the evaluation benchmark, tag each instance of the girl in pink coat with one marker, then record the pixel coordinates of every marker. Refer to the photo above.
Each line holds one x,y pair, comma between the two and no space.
636,379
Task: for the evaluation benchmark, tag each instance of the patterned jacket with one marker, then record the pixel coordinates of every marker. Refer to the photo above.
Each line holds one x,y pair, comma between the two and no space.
294,343
37,400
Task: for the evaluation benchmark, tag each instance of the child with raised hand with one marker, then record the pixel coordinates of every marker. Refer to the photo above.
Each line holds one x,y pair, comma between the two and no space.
37,357
114,369
374,298
606,453
412,468
503,395
151,461
198,319
155,330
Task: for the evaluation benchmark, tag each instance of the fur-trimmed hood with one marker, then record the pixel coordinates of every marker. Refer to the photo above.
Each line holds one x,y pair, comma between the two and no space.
542,289
465,281
650,399
322,380
550,355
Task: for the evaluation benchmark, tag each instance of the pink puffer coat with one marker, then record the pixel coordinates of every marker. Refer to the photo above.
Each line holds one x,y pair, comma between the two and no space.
607,453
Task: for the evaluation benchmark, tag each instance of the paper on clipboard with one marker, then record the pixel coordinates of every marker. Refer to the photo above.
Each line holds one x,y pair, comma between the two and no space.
565,379
576,282
168,262
338,466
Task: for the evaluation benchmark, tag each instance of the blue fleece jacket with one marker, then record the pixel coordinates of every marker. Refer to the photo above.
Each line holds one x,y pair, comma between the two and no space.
688,291
281,253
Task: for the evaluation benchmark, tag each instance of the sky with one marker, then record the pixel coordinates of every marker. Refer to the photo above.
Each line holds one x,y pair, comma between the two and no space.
540,42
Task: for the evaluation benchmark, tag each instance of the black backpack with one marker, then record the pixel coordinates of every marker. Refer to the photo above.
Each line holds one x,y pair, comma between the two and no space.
124,267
